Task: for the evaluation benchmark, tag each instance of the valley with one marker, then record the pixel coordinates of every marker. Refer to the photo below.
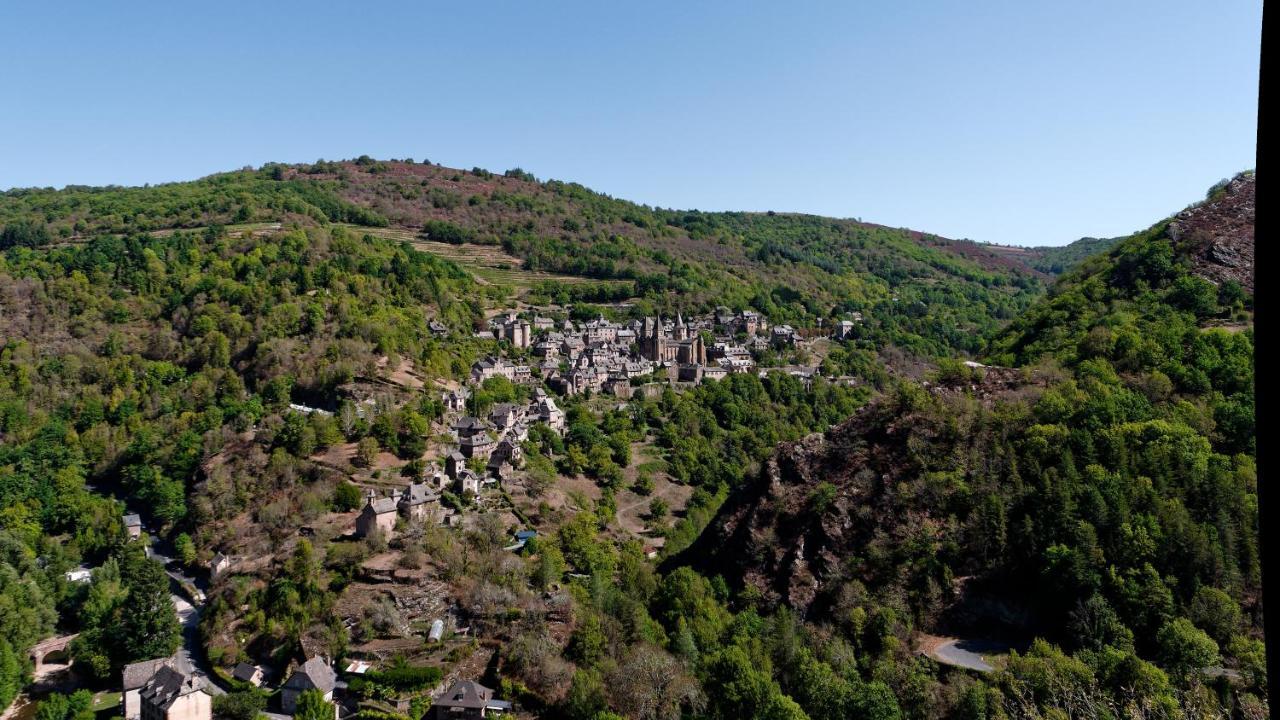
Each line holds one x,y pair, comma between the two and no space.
411,433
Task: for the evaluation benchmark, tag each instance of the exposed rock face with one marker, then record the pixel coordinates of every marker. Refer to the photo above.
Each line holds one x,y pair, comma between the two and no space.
840,506
1218,235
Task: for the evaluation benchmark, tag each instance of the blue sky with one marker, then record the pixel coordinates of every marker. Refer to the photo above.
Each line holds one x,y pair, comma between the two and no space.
1012,122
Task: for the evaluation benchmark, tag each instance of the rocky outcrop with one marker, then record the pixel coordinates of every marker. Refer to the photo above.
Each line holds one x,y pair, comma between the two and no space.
1218,235
857,503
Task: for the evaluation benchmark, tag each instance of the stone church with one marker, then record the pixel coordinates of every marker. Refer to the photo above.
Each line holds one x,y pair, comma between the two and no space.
683,347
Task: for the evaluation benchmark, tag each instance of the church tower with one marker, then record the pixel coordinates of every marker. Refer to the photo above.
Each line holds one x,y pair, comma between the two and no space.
655,341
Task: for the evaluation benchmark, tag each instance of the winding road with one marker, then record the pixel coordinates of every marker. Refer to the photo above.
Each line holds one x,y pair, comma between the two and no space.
967,653
190,652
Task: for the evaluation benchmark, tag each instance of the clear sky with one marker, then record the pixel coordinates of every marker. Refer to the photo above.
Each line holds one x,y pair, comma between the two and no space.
1014,122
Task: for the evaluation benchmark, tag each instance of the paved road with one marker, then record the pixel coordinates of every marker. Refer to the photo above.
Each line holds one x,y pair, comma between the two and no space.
190,652
966,654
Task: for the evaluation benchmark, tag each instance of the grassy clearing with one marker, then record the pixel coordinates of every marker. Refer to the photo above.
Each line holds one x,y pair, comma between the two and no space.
487,262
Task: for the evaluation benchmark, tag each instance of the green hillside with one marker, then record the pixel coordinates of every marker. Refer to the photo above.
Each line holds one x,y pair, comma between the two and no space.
925,293
238,358
1094,506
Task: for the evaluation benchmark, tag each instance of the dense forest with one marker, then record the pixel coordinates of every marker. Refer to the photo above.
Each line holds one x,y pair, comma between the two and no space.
1101,497
1088,496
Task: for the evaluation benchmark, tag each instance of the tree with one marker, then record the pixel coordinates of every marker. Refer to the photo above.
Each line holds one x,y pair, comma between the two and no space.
76,706
346,497
148,628
738,688
1213,611
23,234
550,565
11,679
240,705
875,701
366,451
313,706
649,684
586,697
587,643
185,548
1185,648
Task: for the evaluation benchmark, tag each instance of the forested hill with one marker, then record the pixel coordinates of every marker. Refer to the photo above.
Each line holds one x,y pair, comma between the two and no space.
1102,495
1133,303
922,292
1056,259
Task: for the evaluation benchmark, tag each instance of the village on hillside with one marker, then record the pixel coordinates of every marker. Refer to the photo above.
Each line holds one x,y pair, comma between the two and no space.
476,473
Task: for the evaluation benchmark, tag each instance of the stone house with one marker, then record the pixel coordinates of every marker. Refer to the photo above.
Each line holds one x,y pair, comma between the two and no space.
517,332
551,414
455,464
507,451
467,699
620,387
504,415
468,426
547,349
314,674
220,564
417,502
478,445
246,673
132,678
469,482
783,336
133,525
173,695
456,400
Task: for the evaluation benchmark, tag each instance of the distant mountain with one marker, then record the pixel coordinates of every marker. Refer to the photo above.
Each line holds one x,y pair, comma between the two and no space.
1055,259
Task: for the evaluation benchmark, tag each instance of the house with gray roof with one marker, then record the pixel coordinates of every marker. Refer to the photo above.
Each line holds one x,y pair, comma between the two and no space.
133,525
132,678
468,699
417,501
314,674
170,694
247,673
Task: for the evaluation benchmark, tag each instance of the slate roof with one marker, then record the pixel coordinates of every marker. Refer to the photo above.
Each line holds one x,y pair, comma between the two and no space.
167,686
417,494
135,675
133,520
245,672
470,695
314,674
469,423
383,505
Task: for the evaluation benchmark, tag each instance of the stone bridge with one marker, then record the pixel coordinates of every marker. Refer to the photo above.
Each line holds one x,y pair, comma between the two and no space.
52,646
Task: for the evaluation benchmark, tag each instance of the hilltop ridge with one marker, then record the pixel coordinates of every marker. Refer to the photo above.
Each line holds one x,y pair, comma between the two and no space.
922,291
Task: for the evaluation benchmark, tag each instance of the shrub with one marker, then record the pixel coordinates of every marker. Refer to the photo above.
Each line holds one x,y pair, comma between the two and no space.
346,496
